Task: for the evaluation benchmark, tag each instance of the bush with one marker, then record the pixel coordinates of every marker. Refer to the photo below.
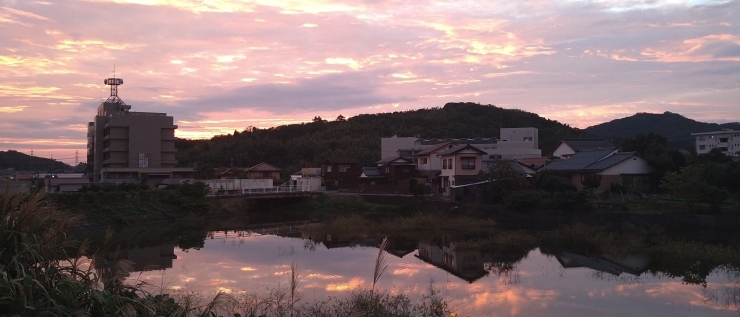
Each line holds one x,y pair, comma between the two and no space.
526,201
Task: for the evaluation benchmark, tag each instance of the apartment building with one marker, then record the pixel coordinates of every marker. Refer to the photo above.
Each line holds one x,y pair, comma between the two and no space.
728,141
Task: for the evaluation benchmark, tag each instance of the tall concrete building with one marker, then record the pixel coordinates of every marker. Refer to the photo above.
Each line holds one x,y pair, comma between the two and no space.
123,145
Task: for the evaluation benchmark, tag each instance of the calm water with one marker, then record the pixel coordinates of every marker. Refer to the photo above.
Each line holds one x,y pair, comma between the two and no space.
565,284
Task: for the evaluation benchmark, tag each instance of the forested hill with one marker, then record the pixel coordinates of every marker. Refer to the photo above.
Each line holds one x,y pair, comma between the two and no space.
675,127
24,162
291,147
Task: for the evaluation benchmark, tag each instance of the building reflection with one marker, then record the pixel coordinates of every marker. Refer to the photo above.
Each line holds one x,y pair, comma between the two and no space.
466,264
121,263
615,265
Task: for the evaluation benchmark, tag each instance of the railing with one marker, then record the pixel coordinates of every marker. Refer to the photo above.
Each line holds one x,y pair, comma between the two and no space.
277,189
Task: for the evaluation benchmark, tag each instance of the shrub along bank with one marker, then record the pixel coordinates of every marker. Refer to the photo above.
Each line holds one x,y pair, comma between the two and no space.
127,203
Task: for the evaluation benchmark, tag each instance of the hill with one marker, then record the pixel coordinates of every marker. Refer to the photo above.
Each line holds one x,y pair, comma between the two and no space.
309,144
24,162
675,127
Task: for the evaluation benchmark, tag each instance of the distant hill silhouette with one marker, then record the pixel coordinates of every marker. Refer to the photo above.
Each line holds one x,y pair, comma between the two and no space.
308,144
675,127
24,162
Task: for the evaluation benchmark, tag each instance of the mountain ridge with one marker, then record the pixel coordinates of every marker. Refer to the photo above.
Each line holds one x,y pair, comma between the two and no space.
675,127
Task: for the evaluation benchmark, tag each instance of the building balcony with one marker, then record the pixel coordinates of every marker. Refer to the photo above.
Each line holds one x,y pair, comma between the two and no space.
115,137
115,160
115,149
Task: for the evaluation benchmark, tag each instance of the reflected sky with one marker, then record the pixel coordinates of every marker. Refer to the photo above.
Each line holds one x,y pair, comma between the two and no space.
538,284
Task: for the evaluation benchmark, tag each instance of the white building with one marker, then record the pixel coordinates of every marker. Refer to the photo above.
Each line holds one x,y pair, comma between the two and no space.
514,143
728,141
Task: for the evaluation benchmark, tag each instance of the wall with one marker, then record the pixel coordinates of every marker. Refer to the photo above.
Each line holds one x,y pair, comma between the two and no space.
633,165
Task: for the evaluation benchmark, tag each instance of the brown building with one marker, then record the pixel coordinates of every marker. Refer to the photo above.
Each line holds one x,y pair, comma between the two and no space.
340,169
122,144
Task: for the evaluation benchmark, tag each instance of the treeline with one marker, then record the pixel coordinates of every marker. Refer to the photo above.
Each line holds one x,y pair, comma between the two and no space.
24,162
294,146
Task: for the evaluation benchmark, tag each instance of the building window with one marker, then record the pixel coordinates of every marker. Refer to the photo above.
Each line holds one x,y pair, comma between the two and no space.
266,174
723,140
528,138
468,163
343,168
702,147
328,168
444,164
422,160
449,163
702,138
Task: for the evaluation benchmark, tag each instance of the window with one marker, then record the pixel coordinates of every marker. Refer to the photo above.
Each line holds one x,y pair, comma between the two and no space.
723,140
444,164
527,138
343,168
328,168
702,147
449,163
422,160
266,174
702,138
468,163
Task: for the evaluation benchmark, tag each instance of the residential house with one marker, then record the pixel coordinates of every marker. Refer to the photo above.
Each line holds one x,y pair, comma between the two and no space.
460,165
397,174
61,184
264,171
372,179
569,147
727,141
429,164
602,169
534,163
338,170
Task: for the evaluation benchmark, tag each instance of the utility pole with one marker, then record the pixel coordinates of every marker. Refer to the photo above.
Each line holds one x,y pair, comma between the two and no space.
77,158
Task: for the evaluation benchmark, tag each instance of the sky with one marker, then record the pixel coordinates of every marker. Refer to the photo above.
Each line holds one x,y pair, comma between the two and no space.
222,65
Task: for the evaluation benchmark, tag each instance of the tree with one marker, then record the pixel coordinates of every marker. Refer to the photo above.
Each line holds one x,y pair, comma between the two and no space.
689,185
503,180
591,181
654,149
341,118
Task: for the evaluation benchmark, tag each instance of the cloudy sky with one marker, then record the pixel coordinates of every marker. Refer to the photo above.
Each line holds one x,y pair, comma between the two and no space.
223,65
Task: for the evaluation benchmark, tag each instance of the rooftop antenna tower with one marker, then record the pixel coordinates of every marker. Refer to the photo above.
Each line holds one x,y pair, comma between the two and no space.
114,83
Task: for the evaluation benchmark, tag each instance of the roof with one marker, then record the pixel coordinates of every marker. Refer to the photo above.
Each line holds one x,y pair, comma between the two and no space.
396,160
517,166
147,170
371,172
264,167
433,148
588,144
725,131
596,160
459,148
534,162
342,160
